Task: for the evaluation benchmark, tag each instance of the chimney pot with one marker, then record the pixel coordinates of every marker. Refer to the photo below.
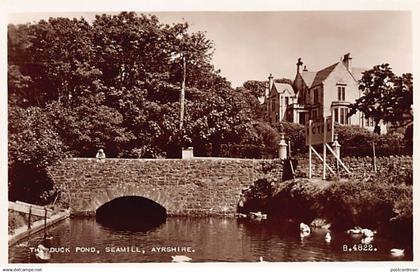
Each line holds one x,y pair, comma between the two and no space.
270,81
299,65
347,61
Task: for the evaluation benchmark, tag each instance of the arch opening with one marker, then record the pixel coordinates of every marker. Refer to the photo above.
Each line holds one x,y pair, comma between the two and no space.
131,213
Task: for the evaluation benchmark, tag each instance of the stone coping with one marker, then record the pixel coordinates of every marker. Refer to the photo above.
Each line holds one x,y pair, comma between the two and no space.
164,159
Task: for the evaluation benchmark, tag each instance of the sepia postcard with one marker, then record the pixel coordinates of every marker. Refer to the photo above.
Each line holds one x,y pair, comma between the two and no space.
252,134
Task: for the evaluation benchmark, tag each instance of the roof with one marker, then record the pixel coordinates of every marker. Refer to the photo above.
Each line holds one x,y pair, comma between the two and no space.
323,74
308,77
281,87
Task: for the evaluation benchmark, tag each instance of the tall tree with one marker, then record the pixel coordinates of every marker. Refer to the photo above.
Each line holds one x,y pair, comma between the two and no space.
385,97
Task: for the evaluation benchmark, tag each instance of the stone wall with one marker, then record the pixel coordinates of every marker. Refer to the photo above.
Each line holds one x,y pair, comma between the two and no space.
183,187
358,166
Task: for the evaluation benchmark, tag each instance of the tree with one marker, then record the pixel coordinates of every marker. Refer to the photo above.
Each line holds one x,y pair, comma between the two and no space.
284,80
257,88
33,146
385,97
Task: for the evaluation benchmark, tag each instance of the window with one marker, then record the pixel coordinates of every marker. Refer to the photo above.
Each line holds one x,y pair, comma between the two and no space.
369,122
343,116
316,99
314,115
286,100
301,118
336,115
341,93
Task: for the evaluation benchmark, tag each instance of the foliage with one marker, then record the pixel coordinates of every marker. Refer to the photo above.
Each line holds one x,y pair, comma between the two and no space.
256,87
295,133
355,136
370,203
386,97
76,86
356,141
33,146
284,80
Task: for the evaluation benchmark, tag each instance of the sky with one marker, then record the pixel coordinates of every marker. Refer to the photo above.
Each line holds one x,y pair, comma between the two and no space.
251,45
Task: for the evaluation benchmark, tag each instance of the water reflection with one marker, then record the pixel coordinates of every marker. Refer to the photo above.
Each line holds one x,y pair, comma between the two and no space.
210,239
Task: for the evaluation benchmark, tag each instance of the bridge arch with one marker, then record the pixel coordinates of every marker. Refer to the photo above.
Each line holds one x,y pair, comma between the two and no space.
131,213
99,198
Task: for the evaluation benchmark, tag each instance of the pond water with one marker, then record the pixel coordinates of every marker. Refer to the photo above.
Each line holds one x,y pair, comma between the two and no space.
210,239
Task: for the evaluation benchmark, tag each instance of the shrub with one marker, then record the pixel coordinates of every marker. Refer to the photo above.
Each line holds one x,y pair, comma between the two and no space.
33,146
356,141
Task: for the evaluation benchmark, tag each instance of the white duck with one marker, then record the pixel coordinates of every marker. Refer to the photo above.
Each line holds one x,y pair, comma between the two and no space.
367,240
396,252
355,230
367,233
328,237
181,259
304,228
257,215
43,253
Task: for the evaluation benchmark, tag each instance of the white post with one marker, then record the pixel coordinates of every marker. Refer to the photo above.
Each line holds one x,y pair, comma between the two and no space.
336,146
282,147
310,148
324,164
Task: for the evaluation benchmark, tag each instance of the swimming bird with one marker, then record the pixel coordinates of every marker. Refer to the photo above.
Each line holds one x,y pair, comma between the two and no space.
355,230
367,233
367,240
257,215
328,237
304,228
181,259
43,253
396,252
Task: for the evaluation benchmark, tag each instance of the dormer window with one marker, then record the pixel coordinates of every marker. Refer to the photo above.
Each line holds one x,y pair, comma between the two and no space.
341,90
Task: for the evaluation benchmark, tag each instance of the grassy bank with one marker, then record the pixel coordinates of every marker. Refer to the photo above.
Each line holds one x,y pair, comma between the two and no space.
376,204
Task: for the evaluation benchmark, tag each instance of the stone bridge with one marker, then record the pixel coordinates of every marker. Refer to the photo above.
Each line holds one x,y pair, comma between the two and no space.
183,187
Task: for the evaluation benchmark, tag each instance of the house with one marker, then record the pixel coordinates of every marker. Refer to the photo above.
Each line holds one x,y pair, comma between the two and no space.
317,94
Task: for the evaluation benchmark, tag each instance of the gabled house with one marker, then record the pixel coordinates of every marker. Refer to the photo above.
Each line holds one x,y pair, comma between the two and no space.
280,96
318,94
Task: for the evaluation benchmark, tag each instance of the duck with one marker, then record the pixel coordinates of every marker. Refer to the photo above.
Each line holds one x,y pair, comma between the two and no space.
304,228
355,230
367,240
181,259
328,237
241,215
367,233
257,215
396,252
42,253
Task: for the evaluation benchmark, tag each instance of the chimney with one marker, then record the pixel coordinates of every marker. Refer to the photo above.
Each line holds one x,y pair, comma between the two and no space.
347,61
267,90
304,69
270,81
299,65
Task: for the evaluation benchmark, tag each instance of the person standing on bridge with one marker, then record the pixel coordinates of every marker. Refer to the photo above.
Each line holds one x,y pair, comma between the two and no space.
101,154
